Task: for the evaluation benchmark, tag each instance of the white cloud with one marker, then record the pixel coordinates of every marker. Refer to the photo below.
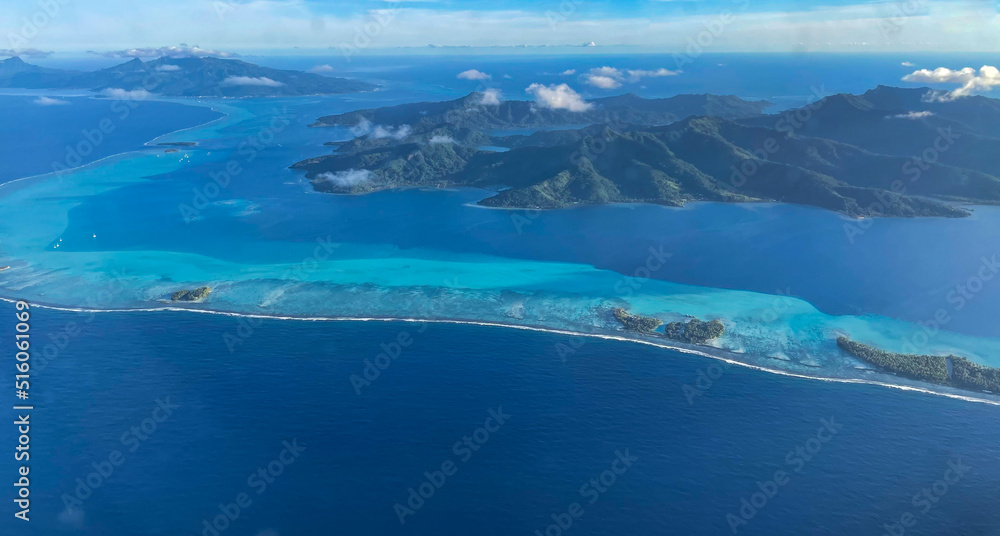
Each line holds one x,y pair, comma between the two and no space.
181,51
121,94
907,64
913,115
636,75
558,97
378,132
601,81
473,74
250,81
399,133
441,138
26,52
605,71
568,72
491,97
168,68
320,69
613,78
72,516
346,179
363,127
48,101
971,81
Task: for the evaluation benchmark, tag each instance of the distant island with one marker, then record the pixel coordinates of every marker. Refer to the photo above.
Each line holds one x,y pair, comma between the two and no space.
953,371
862,155
180,77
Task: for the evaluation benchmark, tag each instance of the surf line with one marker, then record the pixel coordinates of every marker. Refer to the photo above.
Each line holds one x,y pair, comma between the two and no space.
556,331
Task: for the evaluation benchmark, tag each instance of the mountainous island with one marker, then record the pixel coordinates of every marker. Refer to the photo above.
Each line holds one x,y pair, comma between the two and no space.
180,77
478,111
887,152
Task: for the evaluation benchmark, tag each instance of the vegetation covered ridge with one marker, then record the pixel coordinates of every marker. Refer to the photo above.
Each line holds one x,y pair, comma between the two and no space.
951,370
836,159
693,331
197,294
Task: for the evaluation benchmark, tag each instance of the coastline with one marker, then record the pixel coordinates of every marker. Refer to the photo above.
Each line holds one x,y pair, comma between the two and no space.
145,146
760,203
928,389
735,355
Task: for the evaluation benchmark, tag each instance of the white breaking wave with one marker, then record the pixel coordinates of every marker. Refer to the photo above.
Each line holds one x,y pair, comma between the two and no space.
609,337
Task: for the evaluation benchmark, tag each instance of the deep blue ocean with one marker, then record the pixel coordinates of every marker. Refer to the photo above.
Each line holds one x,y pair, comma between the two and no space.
292,381
41,139
231,391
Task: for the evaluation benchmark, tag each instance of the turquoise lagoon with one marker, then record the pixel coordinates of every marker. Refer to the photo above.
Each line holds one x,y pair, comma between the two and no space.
125,231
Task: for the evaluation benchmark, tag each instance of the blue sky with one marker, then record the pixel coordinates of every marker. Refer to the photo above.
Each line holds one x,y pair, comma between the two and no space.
368,26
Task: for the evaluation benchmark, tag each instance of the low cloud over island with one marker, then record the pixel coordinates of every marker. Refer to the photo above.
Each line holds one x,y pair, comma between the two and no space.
251,81
345,179
969,79
558,97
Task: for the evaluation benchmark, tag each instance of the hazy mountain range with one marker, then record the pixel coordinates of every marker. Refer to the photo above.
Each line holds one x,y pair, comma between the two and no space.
180,77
